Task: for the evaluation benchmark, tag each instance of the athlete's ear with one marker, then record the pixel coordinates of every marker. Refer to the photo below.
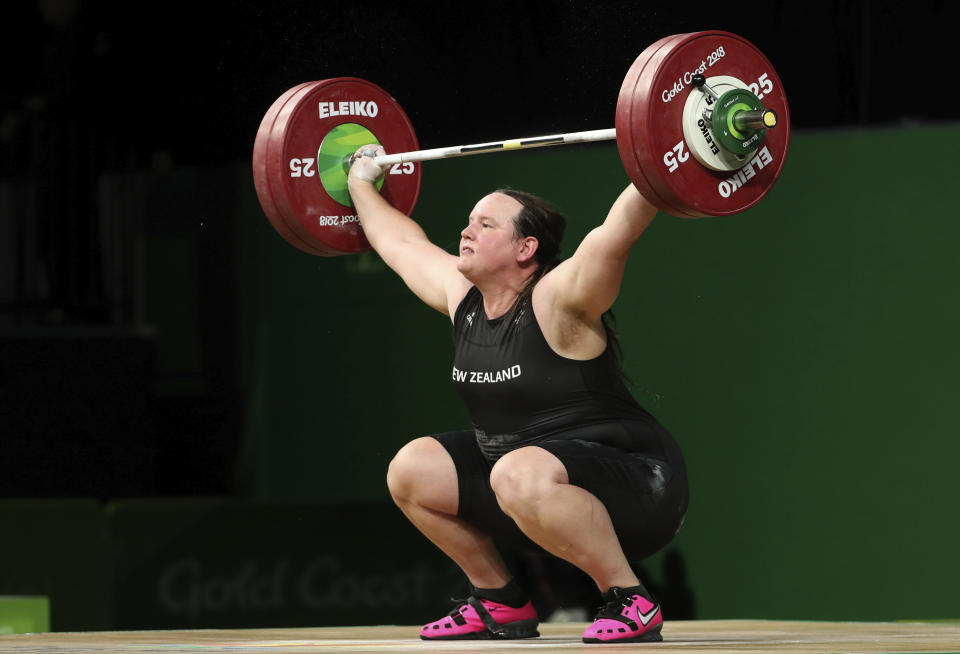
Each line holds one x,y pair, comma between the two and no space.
527,248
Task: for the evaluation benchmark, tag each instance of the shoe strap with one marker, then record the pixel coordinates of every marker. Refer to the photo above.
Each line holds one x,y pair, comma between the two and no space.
612,610
485,616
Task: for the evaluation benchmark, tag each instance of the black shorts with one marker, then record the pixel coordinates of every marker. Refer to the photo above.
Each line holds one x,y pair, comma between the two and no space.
646,497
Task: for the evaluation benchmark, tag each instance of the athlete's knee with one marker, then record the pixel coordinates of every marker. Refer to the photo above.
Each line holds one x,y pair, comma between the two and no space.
523,478
419,473
404,469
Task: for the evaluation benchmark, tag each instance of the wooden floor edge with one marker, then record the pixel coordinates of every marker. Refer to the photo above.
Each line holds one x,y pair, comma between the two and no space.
545,626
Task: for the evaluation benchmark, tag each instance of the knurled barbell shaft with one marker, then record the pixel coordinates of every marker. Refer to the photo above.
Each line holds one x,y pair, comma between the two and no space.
498,146
748,119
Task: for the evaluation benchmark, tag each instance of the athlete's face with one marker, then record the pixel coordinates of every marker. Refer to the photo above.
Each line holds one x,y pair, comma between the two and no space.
488,243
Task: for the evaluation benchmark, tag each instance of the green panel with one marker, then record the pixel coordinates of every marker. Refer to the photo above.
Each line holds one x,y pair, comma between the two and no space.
803,352
811,376
227,564
59,550
24,615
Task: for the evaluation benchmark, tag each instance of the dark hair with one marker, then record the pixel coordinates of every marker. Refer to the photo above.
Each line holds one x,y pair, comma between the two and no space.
539,218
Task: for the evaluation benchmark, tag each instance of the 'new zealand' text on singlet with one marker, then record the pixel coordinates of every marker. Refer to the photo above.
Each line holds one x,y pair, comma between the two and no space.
519,391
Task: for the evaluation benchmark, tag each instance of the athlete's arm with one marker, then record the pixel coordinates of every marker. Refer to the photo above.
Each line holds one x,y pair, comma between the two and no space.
587,283
429,271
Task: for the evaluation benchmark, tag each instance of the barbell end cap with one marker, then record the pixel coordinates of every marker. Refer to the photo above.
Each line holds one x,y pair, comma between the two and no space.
699,80
769,118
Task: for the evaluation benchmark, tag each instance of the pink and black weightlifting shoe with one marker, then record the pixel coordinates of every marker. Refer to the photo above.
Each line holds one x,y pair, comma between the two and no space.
625,617
477,618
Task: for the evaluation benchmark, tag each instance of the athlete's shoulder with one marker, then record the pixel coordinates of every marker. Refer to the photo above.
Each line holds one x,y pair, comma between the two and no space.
466,304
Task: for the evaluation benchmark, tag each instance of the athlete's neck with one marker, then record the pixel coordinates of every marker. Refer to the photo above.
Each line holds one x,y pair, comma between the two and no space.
499,297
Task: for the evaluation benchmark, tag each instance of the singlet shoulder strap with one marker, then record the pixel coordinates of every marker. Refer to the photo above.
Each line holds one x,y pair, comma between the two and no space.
467,304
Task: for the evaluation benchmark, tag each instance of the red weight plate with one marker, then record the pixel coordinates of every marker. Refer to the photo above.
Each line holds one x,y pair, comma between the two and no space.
275,173
298,131
629,154
261,183
657,129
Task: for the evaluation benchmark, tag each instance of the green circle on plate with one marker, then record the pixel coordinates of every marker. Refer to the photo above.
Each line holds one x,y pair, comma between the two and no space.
333,159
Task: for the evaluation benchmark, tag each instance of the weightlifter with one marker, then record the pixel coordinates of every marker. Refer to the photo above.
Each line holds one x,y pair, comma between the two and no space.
561,455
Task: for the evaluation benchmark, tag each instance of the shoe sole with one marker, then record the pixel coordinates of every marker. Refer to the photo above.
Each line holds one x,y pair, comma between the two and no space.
651,636
510,631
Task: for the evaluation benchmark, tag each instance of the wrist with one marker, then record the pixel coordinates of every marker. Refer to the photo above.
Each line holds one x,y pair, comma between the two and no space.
356,181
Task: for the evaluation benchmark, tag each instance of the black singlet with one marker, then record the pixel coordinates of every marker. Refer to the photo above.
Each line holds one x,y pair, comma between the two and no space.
519,391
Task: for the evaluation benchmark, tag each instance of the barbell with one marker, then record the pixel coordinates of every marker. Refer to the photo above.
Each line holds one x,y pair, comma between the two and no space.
702,128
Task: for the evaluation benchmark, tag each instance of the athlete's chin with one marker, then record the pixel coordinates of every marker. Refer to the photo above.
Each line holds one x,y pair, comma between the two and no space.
468,271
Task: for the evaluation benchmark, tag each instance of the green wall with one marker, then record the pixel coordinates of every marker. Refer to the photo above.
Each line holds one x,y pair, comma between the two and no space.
802,352
60,550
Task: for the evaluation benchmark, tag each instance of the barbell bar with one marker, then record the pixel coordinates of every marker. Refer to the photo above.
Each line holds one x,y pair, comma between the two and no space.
588,136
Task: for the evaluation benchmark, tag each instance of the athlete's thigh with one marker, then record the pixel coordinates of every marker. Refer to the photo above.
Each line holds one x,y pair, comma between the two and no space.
645,497
478,505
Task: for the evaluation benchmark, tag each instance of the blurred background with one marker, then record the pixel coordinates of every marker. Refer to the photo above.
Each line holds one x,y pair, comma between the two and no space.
196,418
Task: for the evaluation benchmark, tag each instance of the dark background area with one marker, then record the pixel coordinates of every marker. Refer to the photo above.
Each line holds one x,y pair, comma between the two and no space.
192,80
107,88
